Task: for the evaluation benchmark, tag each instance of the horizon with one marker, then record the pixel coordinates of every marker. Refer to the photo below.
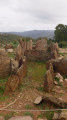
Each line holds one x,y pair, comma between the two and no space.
26,31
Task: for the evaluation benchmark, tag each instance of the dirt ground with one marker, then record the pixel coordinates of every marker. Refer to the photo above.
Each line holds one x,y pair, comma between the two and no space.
32,87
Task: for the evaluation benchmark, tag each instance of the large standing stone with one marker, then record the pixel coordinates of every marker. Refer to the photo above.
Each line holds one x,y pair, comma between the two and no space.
2,118
12,84
21,118
22,71
41,45
30,45
48,83
18,52
14,65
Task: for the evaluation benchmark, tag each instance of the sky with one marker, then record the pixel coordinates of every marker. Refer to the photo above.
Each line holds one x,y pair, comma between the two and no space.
24,15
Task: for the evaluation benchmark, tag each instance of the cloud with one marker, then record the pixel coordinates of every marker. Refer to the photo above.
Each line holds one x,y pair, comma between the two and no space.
21,15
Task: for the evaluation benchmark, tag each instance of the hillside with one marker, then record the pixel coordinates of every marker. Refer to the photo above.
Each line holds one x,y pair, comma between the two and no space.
4,37
36,33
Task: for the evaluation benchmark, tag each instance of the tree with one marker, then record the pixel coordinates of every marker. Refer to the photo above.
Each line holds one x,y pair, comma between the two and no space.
61,33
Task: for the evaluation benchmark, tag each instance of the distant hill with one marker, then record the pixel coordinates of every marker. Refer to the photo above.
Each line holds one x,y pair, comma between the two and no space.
5,37
36,34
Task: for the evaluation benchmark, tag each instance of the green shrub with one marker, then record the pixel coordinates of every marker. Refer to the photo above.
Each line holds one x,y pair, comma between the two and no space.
62,44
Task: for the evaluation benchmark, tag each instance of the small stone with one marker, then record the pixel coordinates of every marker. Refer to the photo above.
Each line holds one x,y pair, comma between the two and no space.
59,76
55,83
55,117
21,118
2,118
61,80
66,80
38,100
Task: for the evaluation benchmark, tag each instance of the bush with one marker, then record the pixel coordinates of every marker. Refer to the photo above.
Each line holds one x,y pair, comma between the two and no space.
62,44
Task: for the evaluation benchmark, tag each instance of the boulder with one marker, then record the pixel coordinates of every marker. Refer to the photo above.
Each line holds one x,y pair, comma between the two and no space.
38,100
48,83
59,102
63,115
59,66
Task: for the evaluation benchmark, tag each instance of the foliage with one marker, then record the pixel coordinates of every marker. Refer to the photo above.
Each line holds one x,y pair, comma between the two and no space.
28,114
28,107
61,33
63,44
9,115
2,88
49,115
58,81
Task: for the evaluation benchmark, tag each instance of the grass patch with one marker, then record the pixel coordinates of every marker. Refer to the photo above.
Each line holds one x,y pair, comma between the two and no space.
58,81
2,89
42,115
9,115
28,107
28,114
65,76
12,55
40,89
49,115
36,70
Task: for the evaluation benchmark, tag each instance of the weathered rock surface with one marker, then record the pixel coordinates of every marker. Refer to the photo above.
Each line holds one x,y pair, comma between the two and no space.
15,79
14,65
59,65
48,83
34,55
2,118
56,116
38,100
21,118
59,76
12,84
4,64
63,115
41,45
56,101
66,80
